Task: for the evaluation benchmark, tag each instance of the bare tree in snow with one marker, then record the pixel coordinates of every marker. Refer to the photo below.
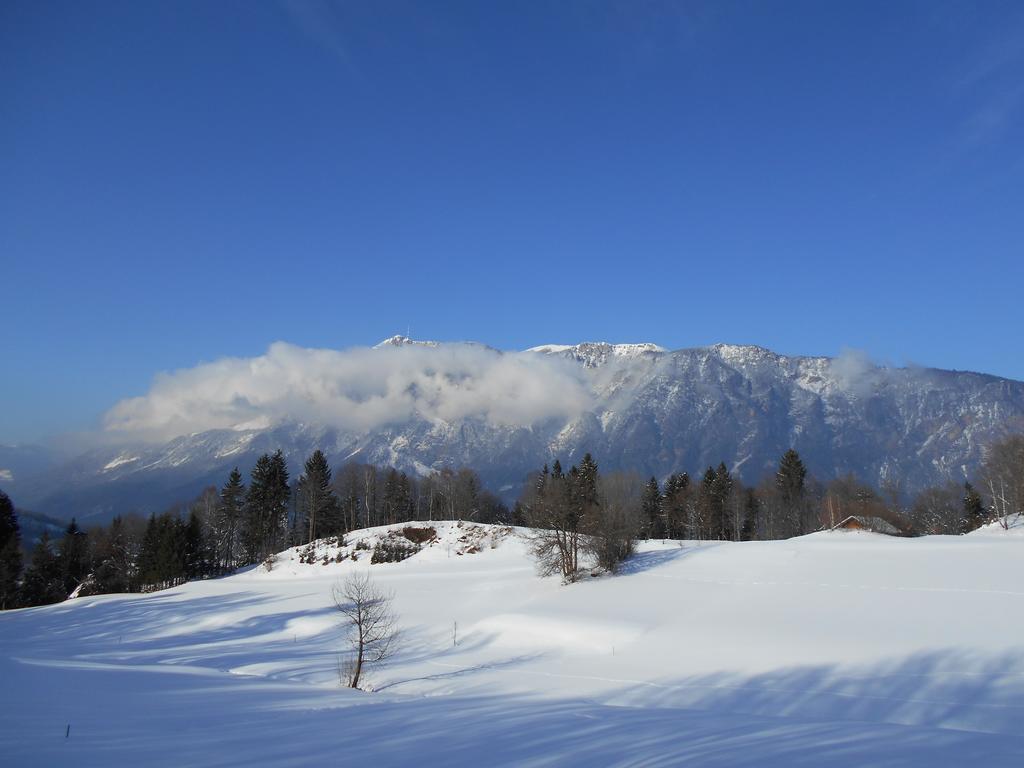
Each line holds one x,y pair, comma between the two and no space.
938,510
551,510
369,622
1003,477
615,522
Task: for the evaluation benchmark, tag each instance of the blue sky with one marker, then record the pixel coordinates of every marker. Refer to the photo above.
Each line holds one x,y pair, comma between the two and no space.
184,181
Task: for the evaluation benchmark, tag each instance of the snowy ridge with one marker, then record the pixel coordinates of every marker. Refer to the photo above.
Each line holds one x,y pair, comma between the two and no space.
744,354
594,354
420,539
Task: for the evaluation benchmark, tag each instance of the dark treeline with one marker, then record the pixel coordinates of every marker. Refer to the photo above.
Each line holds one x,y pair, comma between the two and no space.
579,515
791,502
239,524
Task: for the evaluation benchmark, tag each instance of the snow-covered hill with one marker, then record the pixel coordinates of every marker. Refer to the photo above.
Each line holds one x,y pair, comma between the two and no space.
426,405
834,649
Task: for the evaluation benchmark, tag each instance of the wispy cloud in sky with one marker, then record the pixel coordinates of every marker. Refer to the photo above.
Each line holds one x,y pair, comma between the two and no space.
991,83
320,22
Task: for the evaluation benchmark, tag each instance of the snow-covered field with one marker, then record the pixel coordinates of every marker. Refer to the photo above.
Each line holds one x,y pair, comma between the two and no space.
835,649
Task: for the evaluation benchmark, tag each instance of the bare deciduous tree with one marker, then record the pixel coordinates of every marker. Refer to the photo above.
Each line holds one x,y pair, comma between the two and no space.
938,510
1003,477
614,523
369,622
581,515
557,538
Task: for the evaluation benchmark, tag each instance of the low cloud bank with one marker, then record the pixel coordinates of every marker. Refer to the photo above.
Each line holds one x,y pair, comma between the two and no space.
357,389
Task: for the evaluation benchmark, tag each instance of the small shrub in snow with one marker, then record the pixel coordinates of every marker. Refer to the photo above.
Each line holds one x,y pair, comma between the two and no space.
393,552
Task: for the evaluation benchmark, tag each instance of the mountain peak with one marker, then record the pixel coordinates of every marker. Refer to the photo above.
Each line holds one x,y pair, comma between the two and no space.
403,341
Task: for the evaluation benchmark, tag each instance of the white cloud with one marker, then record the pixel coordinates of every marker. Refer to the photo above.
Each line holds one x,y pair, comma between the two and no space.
854,371
358,389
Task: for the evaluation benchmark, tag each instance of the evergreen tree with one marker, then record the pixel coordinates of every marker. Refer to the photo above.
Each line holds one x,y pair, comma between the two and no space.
722,490
10,553
255,524
266,508
319,508
586,483
170,557
674,506
707,506
750,508
791,475
279,494
230,508
581,486
542,478
43,584
789,480
195,554
974,510
112,560
147,562
73,557
162,557
650,506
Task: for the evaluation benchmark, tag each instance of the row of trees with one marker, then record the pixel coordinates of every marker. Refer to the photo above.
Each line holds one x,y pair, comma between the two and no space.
581,516
792,502
236,525
246,524
720,506
54,572
582,510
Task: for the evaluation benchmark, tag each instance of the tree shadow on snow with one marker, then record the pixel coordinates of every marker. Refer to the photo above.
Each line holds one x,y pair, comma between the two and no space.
646,561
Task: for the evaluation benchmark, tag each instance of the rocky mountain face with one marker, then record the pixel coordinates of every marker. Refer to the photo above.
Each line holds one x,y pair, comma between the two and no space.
652,410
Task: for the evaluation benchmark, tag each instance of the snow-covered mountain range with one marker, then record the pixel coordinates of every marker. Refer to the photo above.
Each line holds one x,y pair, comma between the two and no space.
642,407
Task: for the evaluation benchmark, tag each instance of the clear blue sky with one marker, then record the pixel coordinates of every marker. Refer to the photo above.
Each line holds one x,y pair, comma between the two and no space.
180,181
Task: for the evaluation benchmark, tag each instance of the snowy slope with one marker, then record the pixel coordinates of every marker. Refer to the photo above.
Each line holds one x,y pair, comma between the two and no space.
835,649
